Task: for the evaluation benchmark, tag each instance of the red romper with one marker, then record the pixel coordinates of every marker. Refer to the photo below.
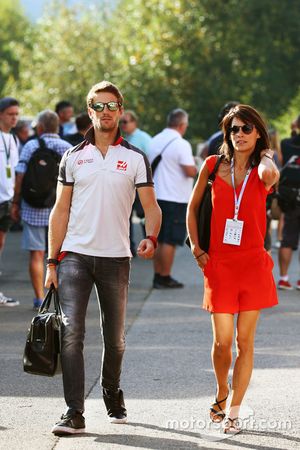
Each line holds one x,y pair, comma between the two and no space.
238,278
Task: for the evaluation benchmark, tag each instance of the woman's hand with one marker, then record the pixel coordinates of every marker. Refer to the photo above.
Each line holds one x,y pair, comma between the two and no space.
201,258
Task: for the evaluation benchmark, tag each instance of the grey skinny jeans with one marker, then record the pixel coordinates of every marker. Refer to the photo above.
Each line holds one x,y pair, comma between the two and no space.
77,274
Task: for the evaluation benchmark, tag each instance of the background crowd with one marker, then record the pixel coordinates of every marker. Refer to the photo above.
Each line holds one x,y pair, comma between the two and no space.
173,183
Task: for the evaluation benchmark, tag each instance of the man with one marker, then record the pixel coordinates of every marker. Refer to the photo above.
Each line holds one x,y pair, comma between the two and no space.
65,112
214,142
89,233
173,180
35,220
9,113
141,140
290,149
21,133
133,134
83,123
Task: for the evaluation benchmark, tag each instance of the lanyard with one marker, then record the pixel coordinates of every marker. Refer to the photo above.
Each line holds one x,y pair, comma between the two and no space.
237,201
7,150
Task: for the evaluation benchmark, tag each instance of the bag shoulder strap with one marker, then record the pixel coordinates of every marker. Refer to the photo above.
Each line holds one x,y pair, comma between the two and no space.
212,175
170,142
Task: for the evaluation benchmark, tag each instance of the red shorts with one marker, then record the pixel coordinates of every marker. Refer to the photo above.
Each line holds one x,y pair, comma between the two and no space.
241,281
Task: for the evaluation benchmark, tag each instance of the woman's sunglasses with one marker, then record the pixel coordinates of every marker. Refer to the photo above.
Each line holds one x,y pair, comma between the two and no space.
247,129
99,106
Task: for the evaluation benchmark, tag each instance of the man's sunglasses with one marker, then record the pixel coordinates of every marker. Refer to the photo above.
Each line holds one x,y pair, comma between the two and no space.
247,129
99,106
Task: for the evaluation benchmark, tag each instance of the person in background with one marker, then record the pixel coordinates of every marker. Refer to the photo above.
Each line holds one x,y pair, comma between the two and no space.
290,148
83,123
22,133
141,140
237,269
35,220
214,142
65,112
9,155
173,181
275,146
134,135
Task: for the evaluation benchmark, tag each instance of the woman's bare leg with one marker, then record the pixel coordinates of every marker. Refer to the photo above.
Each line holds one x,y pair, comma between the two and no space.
221,354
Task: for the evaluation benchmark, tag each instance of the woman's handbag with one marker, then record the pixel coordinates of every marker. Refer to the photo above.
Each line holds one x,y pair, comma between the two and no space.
205,211
42,349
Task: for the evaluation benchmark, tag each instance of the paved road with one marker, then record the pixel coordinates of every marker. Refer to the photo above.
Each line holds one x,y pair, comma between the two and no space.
167,377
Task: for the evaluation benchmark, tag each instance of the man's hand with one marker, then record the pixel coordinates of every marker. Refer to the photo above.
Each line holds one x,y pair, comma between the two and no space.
146,249
51,277
15,212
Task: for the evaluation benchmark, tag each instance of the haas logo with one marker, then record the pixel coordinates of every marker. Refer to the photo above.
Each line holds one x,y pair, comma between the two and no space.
122,165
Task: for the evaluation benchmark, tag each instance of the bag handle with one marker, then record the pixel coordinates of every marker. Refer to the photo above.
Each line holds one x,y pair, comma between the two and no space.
52,293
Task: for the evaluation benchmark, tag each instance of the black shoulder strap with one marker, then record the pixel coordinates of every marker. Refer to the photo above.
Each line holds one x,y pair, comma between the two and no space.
170,142
212,175
42,143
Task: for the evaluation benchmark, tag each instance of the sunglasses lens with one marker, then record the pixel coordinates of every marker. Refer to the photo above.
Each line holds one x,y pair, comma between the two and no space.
98,107
112,106
247,129
234,129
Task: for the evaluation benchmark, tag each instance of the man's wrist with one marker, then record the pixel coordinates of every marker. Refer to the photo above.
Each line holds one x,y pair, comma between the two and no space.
52,262
153,239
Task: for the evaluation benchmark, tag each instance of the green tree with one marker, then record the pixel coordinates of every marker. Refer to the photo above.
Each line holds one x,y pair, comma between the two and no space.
13,27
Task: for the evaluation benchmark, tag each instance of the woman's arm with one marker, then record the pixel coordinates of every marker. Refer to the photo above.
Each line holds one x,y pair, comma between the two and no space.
192,214
267,170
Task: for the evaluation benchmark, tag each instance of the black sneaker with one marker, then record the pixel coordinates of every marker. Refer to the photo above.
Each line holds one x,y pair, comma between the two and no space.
70,423
166,282
114,402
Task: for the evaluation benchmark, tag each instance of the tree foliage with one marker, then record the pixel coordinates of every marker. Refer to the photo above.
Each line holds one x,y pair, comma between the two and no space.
13,27
194,54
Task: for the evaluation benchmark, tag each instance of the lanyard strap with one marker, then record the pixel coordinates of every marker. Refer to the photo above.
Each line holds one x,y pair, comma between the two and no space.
7,150
237,201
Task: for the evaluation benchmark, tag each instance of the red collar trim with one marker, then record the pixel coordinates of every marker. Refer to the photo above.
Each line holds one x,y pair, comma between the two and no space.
90,137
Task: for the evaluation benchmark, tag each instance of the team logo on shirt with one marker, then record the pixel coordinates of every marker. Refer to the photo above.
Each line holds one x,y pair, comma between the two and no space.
84,161
122,165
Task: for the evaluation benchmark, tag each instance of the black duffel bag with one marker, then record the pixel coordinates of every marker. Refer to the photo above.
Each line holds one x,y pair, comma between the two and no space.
42,348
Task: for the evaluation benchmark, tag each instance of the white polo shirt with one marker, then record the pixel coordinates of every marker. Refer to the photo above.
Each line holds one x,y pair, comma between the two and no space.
103,194
9,157
171,183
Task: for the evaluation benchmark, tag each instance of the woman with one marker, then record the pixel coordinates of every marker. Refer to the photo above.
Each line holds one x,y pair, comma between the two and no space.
237,270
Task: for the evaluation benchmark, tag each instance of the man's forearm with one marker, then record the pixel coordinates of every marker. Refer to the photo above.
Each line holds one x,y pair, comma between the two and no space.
58,223
152,220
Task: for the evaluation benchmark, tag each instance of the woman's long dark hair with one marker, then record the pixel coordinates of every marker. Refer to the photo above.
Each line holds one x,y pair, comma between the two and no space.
248,115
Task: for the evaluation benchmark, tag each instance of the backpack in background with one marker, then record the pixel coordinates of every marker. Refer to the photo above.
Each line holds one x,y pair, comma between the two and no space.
289,184
40,179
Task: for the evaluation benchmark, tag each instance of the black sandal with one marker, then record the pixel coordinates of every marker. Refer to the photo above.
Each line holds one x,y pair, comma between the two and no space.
232,426
220,414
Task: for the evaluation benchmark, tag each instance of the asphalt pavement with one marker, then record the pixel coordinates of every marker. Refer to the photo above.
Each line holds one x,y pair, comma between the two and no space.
167,379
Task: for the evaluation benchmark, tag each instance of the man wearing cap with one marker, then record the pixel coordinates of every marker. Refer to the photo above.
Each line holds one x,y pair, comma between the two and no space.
9,113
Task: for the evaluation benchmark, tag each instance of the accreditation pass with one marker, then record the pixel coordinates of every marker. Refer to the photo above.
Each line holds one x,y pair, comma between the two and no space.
233,232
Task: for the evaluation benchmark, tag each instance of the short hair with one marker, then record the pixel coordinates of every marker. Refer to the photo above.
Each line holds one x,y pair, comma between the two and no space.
104,86
225,110
21,124
62,105
82,121
132,115
49,121
176,117
7,102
